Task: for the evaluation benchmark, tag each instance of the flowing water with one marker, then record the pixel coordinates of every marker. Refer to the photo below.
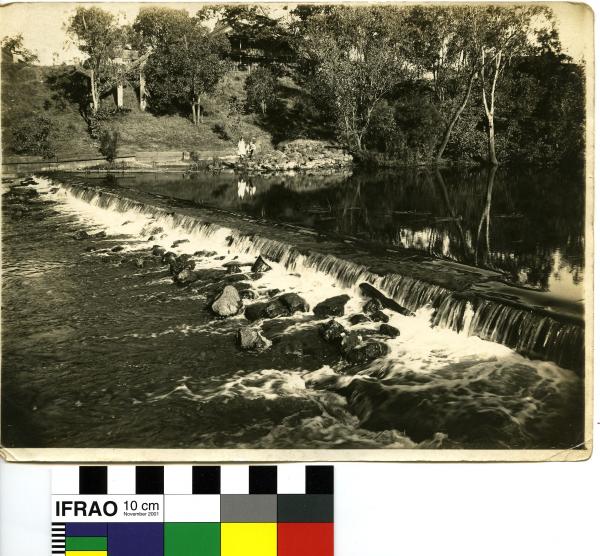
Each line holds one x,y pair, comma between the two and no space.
101,349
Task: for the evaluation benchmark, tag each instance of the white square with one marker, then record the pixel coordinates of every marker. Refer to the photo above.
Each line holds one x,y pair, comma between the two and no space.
178,479
291,478
200,508
65,479
235,479
121,479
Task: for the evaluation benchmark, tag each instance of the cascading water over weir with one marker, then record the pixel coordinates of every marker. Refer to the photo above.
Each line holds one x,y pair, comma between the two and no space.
465,299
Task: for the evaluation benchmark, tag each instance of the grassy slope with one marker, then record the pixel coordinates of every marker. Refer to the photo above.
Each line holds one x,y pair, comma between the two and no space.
25,91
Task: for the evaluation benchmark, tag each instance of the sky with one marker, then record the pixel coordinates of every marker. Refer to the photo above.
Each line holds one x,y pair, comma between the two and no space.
43,26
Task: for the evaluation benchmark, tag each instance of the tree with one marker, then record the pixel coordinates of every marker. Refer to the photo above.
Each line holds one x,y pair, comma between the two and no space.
500,35
186,60
261,89
14,47
444,56
98,36
355,57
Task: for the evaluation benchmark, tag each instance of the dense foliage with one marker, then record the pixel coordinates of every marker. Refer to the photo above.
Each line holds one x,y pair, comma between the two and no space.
33,137
393,84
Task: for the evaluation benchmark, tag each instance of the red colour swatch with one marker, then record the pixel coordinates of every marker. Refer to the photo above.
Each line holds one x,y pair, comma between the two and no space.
305,539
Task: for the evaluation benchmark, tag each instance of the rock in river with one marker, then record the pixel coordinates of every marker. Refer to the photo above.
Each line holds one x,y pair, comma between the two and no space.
268,310
366,353
81,234
227,303
186,276
260,265
332,307
379,316
294,303
358,318
332,331
373,293
158,251
251,339
389,330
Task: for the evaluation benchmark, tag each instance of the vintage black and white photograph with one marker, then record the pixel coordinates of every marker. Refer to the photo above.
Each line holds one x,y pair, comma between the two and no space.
360,229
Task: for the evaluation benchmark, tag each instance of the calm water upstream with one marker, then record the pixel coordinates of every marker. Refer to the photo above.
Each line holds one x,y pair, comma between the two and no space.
101,349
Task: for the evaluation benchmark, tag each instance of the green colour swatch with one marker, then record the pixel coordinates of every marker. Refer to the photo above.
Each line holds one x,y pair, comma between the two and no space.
85,543
192,539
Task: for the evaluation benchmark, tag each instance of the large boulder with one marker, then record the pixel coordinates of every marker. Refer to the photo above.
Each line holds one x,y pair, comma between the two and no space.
294,303
366,353
373,293
332,307
251,339
260,265
227,303
158,251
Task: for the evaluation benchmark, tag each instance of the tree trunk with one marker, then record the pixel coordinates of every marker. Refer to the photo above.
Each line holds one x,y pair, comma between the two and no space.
94,91
457,114
194,113
491,140
489,108
142,91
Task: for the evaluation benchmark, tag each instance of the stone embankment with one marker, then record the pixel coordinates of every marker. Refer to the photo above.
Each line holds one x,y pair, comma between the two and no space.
301,155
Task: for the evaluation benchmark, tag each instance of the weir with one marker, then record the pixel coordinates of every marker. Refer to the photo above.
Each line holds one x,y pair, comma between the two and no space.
468,300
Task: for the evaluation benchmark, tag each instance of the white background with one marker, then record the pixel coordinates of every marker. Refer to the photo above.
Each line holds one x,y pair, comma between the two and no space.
383,509
462,509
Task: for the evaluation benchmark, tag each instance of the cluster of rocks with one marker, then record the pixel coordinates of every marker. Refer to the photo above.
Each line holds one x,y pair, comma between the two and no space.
21,199
305,155
364,345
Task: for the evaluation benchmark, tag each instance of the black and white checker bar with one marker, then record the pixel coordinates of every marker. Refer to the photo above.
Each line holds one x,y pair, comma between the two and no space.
193,479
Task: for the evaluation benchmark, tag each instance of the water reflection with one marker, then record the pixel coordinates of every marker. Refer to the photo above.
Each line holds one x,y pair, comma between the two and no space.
245,188
527,224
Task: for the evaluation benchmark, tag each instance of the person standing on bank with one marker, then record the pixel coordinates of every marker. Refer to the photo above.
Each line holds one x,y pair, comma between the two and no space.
242,149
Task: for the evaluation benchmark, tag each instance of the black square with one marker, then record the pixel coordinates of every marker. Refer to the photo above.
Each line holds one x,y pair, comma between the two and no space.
319,479
263,479
206,479
149,479
92,479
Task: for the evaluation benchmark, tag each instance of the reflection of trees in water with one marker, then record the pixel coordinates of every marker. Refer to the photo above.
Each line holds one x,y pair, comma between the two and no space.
510,220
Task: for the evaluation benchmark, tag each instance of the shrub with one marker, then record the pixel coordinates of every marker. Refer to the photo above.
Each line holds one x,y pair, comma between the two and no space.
109,142
33,137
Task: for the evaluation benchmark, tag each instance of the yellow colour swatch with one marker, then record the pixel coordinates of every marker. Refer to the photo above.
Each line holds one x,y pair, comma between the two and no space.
249,539
86,553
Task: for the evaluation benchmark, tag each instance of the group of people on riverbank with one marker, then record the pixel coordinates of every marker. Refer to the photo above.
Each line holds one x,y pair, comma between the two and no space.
246,149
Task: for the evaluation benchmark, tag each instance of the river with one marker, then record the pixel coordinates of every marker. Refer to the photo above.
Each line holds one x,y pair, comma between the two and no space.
102,349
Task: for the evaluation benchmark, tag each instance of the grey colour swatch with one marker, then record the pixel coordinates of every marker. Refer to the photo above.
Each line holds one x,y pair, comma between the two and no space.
244,508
